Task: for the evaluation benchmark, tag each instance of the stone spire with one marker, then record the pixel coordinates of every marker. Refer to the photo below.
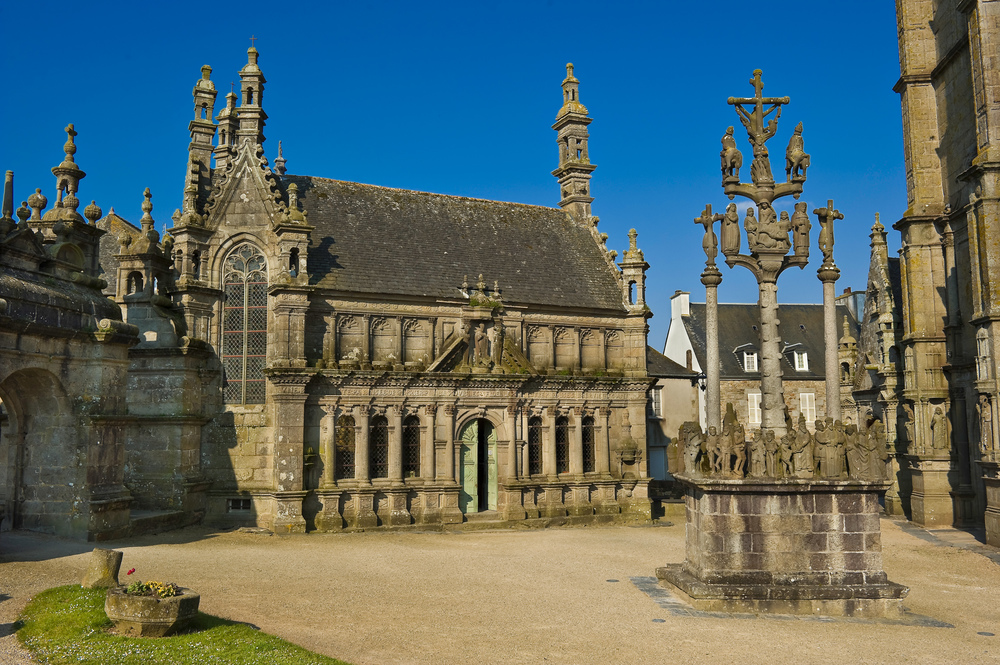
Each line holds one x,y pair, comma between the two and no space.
634,268
7,213
202,129
228,126
280,161
575,168
251,115
68,177
149,238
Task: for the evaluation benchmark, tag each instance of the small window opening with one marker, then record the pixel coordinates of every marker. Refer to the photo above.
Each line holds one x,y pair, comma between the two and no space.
631,293
239,505
204,111
196,264
579,153
293,262
749,362
134,283
222,137
249,95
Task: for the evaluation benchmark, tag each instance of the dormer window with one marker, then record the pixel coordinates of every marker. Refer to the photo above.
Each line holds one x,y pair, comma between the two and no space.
749,361
801,361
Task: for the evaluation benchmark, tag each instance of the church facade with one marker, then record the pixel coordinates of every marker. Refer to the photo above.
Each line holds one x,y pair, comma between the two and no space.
289,370
927,356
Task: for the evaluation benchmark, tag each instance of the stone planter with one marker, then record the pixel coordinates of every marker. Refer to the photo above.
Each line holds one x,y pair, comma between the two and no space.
149,616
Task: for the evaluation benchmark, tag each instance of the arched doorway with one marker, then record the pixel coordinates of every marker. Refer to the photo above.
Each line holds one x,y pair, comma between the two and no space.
38,443
478,467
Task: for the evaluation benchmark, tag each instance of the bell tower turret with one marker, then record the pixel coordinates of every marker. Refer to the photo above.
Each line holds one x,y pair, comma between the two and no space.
251,114
575,168
202,128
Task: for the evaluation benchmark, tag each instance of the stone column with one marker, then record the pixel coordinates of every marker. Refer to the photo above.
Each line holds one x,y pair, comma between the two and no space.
510,421
449,443
548,442
576,449
395,415
602,463
361,456
772,396
828,274
327,445
711,278
427,461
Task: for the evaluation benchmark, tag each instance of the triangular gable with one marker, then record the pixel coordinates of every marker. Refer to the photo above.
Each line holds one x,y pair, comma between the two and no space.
247,194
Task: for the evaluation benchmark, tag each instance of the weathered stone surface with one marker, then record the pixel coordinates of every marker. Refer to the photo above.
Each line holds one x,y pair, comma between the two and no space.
788,546
149,616
102,570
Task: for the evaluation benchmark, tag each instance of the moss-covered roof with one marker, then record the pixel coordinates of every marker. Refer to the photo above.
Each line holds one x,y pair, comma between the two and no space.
380,240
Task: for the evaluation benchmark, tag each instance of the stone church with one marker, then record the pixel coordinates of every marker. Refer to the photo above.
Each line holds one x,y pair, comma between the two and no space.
927,355
273,360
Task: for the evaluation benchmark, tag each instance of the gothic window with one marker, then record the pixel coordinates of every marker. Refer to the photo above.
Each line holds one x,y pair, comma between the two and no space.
588,445
534,445
344,444
562,445
244,325
411,447
379,447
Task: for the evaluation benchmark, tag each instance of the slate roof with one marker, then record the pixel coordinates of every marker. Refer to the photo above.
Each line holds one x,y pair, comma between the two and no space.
662,367
380,240
801,329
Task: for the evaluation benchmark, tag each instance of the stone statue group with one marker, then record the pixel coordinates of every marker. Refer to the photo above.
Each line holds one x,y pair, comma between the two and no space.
834,452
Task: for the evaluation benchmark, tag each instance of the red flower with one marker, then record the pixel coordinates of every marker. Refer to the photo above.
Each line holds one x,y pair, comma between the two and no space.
130,572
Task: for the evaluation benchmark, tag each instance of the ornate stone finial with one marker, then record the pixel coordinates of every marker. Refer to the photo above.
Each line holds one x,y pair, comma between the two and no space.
37,203
23,213
496,289
8,197
279,162
176,217
70,147
93,213
147,207
465,284
877,226
481,286
569,71
206,72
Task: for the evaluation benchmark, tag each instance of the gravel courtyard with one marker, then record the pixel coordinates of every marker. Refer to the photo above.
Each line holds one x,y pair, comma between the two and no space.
563,595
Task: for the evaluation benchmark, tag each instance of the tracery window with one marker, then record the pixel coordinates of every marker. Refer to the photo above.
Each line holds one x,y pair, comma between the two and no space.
562,445
411,447
534,445
588,445
244,325
379,447
344,444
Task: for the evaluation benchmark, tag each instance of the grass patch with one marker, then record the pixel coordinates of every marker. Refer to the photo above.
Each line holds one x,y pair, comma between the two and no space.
67,625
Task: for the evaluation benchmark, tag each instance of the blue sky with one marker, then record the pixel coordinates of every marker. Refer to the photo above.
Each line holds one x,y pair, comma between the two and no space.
459,98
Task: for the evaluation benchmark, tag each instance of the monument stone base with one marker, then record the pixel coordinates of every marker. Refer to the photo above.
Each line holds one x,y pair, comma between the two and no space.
991,478
931,501
784,547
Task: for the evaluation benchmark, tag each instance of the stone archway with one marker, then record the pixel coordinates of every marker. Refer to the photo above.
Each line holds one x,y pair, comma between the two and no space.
41,471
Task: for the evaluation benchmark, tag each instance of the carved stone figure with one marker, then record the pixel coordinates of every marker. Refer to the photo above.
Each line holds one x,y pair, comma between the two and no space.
796,159
940,440
802,453
785,453
857,457
839,439
731,231
725,453
827,216
750,225
739,446
770,454
732,158
496,343
760,168
692,447
800,228
712,448
482,346
985,426
908,425
770,234
758,465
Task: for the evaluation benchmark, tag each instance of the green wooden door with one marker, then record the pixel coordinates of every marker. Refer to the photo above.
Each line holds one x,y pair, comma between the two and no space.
491,468
468,498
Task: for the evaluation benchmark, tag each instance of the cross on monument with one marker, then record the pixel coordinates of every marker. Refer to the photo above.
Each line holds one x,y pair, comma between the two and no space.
253,38
709,243
754,121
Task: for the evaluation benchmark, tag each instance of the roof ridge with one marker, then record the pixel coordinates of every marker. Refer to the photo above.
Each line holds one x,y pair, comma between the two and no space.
419,191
